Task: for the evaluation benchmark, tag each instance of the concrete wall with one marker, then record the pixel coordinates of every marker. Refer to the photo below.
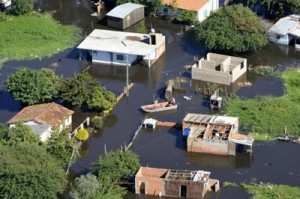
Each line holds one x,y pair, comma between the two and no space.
44,136
153,179
205,11
115,22
193,189
211,65
207,146
153,186
66,124
279,39
211,76
238,71
111,58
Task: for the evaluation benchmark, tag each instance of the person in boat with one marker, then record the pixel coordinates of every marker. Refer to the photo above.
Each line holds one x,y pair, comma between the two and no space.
171,102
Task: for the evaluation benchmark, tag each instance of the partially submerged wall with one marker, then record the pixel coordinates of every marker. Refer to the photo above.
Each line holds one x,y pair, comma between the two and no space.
207,75
218,147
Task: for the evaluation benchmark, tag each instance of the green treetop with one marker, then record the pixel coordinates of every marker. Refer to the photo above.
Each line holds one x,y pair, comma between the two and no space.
231,29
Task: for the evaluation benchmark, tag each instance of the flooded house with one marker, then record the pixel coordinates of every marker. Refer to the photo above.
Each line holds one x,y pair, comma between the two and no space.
218,68
286,31
202,8
125,15
43,119
214,134
122,48
4,4
174,183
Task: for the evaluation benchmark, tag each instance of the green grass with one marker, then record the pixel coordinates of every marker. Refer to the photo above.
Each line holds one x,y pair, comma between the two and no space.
271,191
267,116
33,36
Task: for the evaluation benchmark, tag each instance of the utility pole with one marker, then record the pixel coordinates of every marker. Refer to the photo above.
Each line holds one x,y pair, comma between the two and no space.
127,76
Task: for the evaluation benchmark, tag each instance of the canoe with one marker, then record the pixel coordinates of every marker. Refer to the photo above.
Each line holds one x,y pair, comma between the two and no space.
158,107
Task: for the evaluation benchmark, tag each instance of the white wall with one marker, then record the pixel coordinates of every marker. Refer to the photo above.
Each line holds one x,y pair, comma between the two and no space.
47,134
204,12
112,58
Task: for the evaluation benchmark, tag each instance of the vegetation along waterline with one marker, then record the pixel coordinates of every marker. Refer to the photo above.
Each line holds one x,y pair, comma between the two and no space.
34,36
266,117
267,190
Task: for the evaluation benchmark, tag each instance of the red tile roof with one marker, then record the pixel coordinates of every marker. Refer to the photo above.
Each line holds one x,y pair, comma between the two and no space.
50,113
191,5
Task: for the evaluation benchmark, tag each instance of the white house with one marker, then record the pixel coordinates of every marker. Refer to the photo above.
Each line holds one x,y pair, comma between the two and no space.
202,8
221,69
43,119
286,30
122,48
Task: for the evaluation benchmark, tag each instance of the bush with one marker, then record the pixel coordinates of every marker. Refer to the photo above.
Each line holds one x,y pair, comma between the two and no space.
97,122
21,7
82,135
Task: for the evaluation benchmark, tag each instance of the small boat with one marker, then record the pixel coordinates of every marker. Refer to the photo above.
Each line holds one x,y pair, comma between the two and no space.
283,138
158,107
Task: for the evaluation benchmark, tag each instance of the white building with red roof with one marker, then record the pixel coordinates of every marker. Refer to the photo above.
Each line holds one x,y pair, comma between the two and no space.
43,119
202,8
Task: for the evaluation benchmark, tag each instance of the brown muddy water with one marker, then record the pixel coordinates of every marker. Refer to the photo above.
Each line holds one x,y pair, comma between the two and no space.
270,162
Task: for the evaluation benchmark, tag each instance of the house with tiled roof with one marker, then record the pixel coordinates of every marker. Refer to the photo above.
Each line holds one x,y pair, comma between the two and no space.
202,8
43,119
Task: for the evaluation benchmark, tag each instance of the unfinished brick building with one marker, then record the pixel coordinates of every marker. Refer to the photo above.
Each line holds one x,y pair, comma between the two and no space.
220,69
174,183
214,134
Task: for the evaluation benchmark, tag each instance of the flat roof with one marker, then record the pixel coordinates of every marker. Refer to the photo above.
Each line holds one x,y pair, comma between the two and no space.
123,10
197,118
117,42
201,118
286,25
241,139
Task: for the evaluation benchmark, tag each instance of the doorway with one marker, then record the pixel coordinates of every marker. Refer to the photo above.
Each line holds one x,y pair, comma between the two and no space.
183,191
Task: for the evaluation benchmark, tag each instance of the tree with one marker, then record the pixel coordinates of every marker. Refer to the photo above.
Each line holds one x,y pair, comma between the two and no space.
231,29
27,171
84,90
142,28
21,133
85,187
186,17
60,146
20,7
33,86
101,99
278,8
113,166
82,135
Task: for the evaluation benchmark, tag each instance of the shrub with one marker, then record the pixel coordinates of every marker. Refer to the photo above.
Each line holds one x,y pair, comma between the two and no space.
82,135
97,122
20,7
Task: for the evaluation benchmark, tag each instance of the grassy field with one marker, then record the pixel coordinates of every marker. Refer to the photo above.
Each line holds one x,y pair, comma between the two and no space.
267,190
265,117
33,36
271,191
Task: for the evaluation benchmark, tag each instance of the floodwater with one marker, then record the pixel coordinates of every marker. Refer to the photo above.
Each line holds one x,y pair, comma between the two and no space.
270,162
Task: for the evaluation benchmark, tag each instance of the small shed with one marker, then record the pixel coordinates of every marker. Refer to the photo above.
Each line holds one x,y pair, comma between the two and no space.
125,15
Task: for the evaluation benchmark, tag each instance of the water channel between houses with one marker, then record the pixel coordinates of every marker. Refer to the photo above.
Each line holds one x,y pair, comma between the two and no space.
270,162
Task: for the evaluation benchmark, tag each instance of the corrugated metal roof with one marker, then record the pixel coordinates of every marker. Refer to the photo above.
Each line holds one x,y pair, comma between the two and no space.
286,25
123,10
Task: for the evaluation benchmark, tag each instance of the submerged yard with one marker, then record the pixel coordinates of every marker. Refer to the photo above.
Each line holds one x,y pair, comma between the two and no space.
34,36
266,117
